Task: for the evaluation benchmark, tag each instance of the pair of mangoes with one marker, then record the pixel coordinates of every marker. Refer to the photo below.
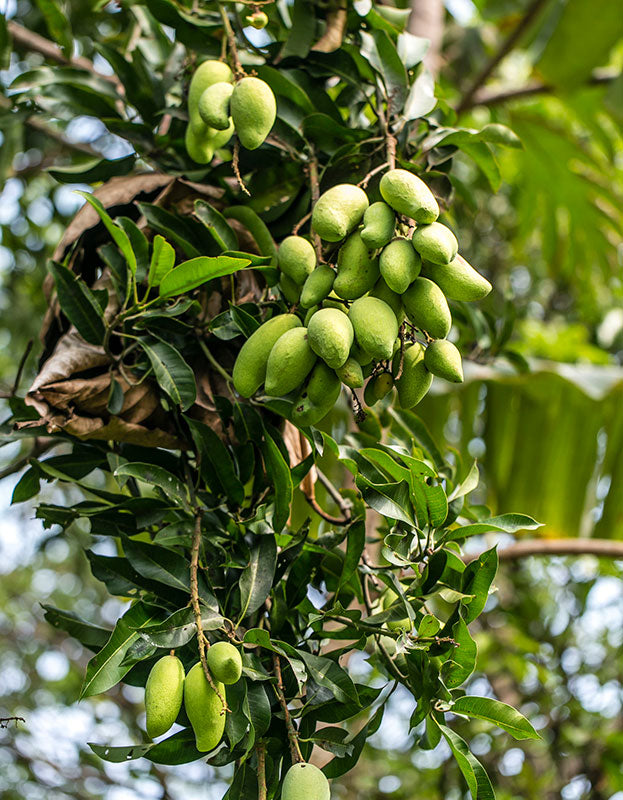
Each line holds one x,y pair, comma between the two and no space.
218,107
167,686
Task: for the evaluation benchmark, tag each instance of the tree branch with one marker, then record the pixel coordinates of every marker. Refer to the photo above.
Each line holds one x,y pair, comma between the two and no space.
295,750
603,548
336,27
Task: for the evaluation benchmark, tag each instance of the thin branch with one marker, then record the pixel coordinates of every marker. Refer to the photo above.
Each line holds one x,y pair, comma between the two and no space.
505,48
236,167
604,548
295,750
322,513
4,721
315,194
342,503
231,43
363,183
392,668
260,749
39,447
336,27
300,223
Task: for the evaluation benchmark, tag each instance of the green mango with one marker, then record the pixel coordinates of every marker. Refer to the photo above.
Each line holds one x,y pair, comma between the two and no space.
415,380
224,662
330,335
317,398
220,138
375,326
399,264
427,308
357,272
338,211
289,363
333,301
206,74
297,258
164,691
458,280
317,286
204,709
257,20
213,105
409,195
199,146
360,355
310,313
443,359
253,109
289,289
435,242
350,373
393,300
378,387
305,782
250,366
379,223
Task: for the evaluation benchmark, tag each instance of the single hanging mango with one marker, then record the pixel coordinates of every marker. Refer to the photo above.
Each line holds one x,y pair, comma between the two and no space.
338,211
163,695
204,709
253,109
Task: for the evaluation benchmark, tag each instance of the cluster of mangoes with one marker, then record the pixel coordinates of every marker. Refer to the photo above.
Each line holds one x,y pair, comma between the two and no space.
395,264
167,686
218,107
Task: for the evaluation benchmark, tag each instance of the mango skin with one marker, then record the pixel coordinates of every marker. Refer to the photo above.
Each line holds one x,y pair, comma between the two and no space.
357,272
250,368
206,74
204,709
435,242
409,195
351,374
444,360
297,258
338,211
458,280
427,308
379,223
375,325
253,109
360,355
400,265
289,289
224,662
317,286
164,692
393,300
199,146
378,387
289,363
330,335
213,105
305,782
317,398
415,380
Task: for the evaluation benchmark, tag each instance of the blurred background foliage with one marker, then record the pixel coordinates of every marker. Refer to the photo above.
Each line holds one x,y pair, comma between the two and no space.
545,223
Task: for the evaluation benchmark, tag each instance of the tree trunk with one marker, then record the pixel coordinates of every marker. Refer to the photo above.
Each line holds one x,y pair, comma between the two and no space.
427,17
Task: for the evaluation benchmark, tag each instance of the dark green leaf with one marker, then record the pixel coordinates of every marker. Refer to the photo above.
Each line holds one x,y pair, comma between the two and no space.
473,771
279,471
78,304
500,714
89,635
191,274
172,486
173,374
256,580
218,226
119,236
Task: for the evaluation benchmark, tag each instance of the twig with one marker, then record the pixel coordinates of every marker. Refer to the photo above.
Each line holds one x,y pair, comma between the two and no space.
39,447
315,194
295,750
4,721
20,368
322,513
363,183
393,669
336,27
341,502
300,223
401,334
236,167
231,43
260,749
603,548
507,45
221,370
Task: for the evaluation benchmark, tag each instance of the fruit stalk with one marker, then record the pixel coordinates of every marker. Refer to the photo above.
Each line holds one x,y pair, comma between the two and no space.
293,739
260,749
231,44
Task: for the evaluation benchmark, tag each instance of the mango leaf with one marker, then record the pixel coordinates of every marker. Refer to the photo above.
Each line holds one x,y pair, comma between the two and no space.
380,52
473,771
158,564
119,236
508,523
93,170
463,662
340,766
89,635
500,714
256,580
58,25
172,486
193,273
78,303
329,674
279,471
467,485
477,579
218,226
173,374
177,749
180,627
421,98
210,447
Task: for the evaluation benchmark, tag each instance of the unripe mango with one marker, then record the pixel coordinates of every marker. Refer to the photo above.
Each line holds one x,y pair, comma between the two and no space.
317,286
250,367
333,301
378,387
204,709
305,782
224,662
357,272
360,355
318,397
409,195
289,289
458,280
253,109
258,20
289,363
199,146
213,105
330,335
350,373
393,300
399,264
338,211
163,695
297,258
444,360
220,138
379,222
375,326
415,380
310,313
435,242
206,74
427,308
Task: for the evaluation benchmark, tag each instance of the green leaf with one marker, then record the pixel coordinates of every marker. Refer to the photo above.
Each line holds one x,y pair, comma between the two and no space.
473,771
355,545
105,669
340,766
210,447
93,170
197,271
162,260
218,226
379,50
280,474
177,749
78,303
89,635
172,486
58,25
327,673
468,485
180,627
119,236
158,564
500,714
256,579
477,579
27,486
463,662
508,523
173,374
421,98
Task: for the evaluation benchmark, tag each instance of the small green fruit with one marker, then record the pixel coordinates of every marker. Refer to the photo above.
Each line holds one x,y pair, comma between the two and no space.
305,782
375,326
356,271
204,709
310,313
350,373
458,280
220,138
415,380
318,397
199,146
360,355
378,387
330,335
317,286
409,195
289,289
213,105
393,300
427,308
253,110
289,363
250,367
163,695
444,360
399,265
257,20
435,242
224,662
297,258
338,211
379,222
206,74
